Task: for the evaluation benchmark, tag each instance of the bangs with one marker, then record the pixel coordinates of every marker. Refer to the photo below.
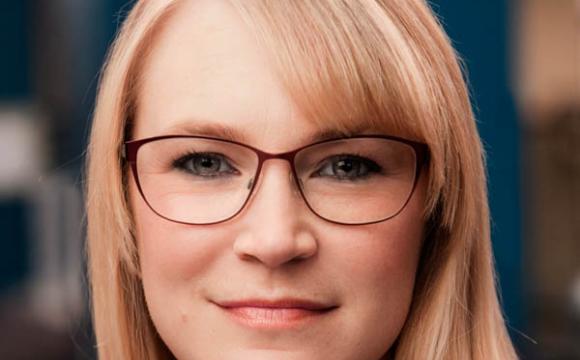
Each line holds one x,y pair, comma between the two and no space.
345,64
354,65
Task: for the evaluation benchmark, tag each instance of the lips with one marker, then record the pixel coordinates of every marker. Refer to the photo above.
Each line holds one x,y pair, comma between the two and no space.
271,314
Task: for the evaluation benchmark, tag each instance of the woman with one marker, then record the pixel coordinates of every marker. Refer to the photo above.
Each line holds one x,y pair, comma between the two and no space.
288,180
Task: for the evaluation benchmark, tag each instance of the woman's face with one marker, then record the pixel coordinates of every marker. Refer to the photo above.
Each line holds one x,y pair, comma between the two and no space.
276,257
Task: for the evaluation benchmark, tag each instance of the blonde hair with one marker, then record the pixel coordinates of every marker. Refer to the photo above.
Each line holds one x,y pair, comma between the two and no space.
385,63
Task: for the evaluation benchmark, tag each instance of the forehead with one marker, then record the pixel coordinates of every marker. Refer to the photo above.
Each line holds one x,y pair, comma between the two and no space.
205,67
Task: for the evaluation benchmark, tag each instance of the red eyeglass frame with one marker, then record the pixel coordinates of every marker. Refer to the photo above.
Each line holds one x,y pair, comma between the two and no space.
131,148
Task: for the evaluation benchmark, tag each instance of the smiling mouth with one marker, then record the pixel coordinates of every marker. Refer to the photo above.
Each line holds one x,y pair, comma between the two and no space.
281,314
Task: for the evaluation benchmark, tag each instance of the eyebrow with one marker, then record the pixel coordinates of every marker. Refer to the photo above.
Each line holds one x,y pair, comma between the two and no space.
208,129
200,128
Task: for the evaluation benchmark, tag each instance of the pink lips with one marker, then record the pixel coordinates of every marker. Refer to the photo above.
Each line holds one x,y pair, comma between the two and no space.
283,313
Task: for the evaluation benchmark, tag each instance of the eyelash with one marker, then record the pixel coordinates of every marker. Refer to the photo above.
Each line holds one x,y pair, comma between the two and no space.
370,166
180,163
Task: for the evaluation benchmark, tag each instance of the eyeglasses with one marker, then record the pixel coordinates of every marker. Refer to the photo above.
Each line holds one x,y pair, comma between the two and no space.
202,180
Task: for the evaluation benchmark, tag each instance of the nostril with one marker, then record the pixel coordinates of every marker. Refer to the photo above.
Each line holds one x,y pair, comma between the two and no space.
250,183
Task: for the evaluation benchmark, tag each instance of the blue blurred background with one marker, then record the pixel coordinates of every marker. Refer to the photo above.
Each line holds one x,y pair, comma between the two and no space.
523,63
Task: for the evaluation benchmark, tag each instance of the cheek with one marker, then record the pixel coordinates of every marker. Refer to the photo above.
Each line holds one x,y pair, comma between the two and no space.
172,255
380,261
385,255
377,266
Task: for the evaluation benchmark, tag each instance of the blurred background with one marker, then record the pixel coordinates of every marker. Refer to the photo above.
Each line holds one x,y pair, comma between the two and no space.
523,62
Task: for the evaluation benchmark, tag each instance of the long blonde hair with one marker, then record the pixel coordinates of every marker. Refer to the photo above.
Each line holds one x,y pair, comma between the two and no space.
386,63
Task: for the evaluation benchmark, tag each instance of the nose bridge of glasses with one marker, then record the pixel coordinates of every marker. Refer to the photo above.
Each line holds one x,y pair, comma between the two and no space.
288,157
264,158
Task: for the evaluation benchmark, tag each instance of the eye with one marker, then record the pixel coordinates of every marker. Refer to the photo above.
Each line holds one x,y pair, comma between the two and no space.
348,167
209,165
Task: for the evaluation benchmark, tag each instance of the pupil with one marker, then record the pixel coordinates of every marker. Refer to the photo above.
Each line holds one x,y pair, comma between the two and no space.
344,166
207,163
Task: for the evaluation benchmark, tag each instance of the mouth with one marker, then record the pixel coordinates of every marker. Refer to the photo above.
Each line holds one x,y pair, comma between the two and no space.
275,314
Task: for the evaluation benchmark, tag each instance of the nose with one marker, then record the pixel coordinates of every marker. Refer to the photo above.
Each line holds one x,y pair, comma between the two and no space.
276,230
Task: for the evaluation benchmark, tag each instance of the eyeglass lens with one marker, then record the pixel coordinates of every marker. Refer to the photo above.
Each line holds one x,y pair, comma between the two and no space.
202,181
